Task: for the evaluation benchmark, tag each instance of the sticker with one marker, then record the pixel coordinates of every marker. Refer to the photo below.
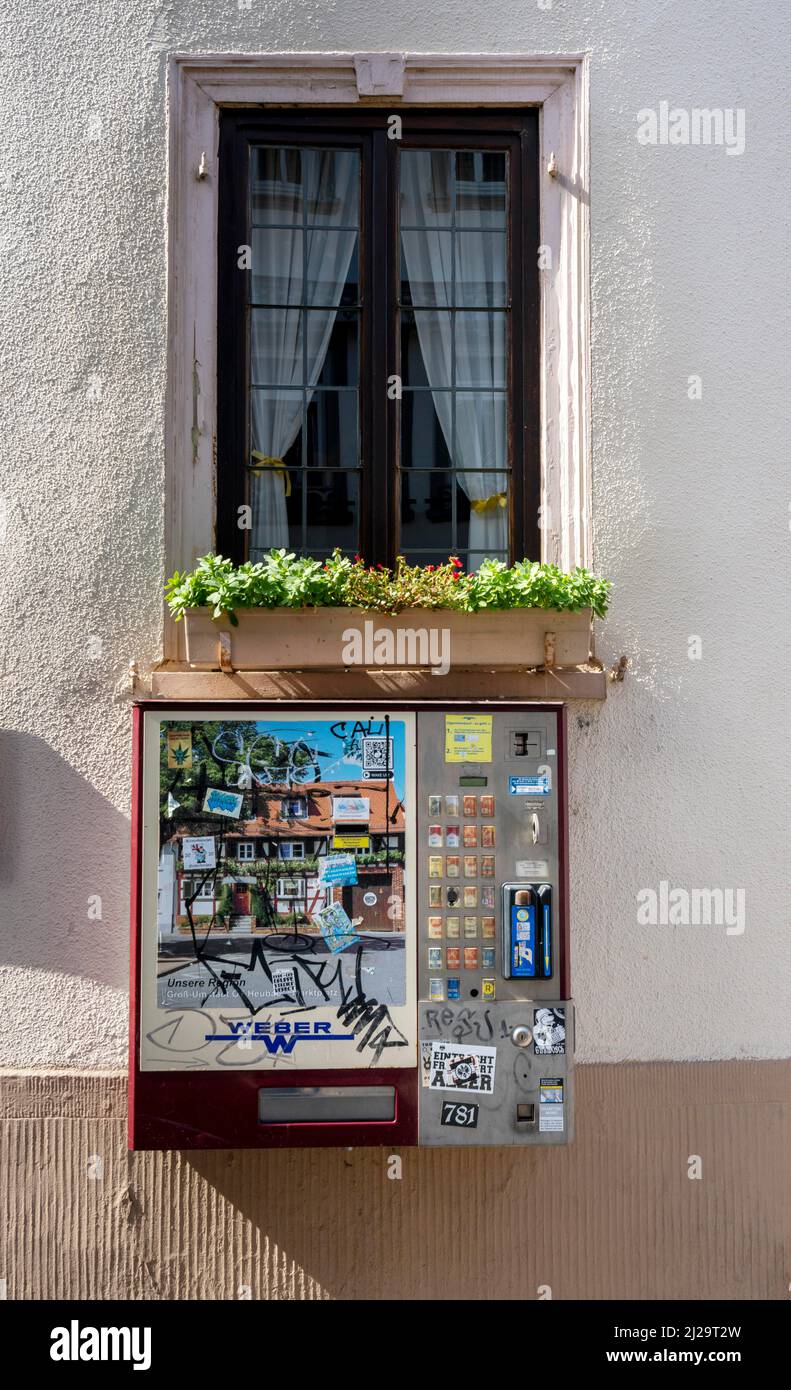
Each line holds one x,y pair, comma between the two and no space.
470,895
454,988
354,808
470,805
461,1116
435,957
487,927
452,927
436,992
487,836
336,927
453,957
173,804
179,744
487,804
452,805
470,866
487,957
471,926
351,842
532,868
452,836
220,803
487,895
284,979
370,899
550,1118
452,866
453,896
488,988
551,1090
487,866
435,866
470,836
529,786
549,1031
425,1048
470,957
200,853
435,927
435,895
435,805
459,1068
468,738
340,869
435,834
377,756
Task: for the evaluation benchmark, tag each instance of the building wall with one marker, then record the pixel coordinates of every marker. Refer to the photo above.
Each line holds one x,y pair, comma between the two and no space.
680,775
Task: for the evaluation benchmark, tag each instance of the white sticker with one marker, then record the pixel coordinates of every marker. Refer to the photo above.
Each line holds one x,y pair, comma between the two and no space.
532,868
550,1118
370,899
458,1068
284,979
199,853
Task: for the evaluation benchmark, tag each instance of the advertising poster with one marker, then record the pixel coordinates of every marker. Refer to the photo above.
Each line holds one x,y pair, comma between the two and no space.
276,892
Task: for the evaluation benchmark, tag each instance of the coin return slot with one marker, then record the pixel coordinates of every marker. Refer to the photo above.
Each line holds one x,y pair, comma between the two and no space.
525,1114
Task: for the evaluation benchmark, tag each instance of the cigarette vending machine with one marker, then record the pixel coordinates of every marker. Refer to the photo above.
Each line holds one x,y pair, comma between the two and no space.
350,926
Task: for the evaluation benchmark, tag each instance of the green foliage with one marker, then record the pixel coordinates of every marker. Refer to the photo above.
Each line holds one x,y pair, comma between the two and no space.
285,580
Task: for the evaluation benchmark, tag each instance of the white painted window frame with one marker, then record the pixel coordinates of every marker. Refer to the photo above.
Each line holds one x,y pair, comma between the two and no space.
199,85
245,845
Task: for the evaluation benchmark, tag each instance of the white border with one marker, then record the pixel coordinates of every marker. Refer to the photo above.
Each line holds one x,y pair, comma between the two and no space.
199,85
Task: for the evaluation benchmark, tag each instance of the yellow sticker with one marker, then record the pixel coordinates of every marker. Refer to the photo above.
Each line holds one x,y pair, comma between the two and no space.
468,738
351,842
179,748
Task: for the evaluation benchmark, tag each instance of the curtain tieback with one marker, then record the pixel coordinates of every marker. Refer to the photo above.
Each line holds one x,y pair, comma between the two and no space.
488,504
267,461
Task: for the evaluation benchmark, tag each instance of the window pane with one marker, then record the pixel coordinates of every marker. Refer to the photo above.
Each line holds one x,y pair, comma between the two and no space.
289,267
423,443
480,271
427,272
331,511
481,188
426,188
293,186
332,430
278,355
445,513
480,348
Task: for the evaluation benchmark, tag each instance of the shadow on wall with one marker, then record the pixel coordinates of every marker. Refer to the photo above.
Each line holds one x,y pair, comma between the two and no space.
64,867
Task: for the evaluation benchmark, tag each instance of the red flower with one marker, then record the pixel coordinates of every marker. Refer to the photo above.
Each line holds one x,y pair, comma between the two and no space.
429,569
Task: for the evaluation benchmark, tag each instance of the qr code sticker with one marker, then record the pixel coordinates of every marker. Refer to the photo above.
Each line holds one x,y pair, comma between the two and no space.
378,756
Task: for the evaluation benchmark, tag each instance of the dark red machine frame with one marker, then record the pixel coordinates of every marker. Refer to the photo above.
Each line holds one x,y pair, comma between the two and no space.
219,1110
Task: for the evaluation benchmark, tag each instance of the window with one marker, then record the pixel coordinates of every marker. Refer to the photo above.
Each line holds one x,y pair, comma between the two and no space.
290,849
378,350
245,849
294,808
291,887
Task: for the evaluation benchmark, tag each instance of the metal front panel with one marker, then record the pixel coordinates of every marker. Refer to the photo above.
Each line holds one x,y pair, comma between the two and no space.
509,1093
490,885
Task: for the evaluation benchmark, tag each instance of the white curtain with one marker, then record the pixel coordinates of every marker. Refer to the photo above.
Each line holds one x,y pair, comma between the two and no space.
481,436
295,266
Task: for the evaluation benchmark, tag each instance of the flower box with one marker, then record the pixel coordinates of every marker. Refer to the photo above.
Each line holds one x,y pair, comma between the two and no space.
303,639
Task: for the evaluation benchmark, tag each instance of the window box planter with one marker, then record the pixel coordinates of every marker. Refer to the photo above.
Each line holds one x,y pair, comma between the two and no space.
324,638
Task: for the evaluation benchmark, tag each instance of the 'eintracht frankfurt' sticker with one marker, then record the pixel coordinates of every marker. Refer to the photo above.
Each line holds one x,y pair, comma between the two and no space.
456,1068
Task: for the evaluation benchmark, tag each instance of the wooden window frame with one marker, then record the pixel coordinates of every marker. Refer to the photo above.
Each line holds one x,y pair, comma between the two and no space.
512,131
200,86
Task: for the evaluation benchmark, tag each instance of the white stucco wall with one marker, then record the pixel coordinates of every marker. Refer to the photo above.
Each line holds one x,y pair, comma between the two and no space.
682,775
